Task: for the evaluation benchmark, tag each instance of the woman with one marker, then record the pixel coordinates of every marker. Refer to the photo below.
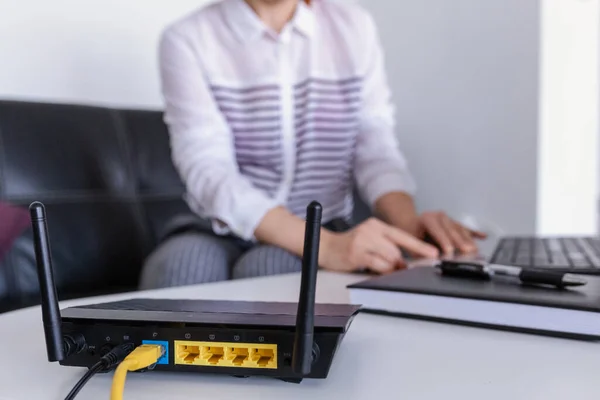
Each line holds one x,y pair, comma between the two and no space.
272,104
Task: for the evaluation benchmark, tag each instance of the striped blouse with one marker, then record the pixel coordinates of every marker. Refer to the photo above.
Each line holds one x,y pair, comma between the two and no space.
259,119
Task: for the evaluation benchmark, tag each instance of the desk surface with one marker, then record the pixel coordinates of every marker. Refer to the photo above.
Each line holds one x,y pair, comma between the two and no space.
381,357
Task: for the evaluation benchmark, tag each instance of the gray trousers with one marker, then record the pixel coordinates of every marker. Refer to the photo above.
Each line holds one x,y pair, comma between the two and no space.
200,257
190,253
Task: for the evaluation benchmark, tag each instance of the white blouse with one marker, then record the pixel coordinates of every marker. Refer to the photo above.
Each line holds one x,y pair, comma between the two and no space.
259,119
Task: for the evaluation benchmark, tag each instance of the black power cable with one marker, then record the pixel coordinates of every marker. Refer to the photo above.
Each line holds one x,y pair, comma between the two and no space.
106,363
84,379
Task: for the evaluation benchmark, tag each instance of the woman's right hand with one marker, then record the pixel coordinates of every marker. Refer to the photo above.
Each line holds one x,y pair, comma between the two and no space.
374,245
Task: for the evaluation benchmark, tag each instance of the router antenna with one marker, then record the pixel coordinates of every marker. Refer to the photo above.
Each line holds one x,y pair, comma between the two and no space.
305,318
50,312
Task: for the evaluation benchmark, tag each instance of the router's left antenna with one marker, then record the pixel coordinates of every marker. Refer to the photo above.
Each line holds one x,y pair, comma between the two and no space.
55,344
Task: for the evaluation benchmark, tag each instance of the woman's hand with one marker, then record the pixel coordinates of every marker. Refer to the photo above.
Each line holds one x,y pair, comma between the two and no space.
449,235
436,227
373,245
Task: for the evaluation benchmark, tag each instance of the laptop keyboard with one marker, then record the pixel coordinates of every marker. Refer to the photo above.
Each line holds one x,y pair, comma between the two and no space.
576,254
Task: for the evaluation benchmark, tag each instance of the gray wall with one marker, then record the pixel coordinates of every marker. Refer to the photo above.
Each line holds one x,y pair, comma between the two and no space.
465,79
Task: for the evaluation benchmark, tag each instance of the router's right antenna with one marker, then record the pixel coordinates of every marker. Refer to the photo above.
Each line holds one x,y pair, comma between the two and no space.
305,319
50,312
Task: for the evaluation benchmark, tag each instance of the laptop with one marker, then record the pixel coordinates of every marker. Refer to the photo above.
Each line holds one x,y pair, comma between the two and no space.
564,254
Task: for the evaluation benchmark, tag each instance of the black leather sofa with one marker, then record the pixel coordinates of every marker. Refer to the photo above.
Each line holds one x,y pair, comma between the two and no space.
109,186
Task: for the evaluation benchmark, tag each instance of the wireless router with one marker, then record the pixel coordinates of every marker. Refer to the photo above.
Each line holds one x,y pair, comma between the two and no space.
287,341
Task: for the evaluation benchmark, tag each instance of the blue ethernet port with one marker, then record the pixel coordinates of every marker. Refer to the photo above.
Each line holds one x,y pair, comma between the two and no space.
165,358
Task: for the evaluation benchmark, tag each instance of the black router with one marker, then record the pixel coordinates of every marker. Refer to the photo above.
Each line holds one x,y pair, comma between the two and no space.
287,341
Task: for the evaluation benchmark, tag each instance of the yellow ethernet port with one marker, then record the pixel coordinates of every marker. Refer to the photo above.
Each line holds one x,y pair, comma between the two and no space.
240,355
188,354
262,356
237,355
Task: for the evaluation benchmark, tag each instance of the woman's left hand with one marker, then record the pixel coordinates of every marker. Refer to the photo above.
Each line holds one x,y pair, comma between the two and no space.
449,235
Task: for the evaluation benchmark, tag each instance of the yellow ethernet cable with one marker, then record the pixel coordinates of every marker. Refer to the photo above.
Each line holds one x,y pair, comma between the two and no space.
142,357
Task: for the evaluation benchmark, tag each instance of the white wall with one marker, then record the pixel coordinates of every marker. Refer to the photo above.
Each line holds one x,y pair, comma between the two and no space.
473,106
93,51
568,137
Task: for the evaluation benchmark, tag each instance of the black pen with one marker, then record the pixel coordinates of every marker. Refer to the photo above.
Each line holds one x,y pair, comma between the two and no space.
529,276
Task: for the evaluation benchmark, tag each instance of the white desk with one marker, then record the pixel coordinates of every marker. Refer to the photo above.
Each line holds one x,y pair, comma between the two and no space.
381,357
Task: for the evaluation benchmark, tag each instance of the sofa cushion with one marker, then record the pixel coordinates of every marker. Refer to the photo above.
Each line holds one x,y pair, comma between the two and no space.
13,221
